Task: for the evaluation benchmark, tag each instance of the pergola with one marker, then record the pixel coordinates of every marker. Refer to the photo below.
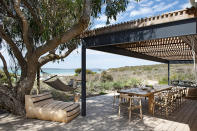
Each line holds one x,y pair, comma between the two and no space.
168,38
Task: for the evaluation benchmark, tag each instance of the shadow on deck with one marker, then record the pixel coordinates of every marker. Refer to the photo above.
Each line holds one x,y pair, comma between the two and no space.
102,116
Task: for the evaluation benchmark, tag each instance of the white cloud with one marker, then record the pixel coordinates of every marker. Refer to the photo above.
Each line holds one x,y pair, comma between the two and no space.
99,25
186,5
157,8
162,7
148,3
141,11
130,7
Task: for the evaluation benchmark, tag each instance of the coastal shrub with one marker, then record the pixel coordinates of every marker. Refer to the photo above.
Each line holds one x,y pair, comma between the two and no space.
107,85
78,71
133,81
106,77
102,93
147,68
118,85
163,81
183,76
189,76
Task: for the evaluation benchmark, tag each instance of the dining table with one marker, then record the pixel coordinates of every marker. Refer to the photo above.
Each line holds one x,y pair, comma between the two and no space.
145,92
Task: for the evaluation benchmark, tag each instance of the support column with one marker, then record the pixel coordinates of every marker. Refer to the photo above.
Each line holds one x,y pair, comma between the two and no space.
168,73
83,76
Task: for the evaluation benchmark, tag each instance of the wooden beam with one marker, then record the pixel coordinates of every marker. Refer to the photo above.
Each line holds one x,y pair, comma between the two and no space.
124,52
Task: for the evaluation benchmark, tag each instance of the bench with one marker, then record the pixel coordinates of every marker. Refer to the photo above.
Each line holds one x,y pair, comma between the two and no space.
44,107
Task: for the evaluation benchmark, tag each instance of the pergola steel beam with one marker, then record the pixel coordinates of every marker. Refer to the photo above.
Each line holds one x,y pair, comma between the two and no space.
124,52
168,73
83,85
171,29
181,62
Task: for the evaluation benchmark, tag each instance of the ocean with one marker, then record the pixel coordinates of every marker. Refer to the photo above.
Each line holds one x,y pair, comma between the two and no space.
65,72
60,72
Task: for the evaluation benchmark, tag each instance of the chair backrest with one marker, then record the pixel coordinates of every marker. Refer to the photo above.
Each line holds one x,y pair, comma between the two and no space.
126,98
41,97
33,100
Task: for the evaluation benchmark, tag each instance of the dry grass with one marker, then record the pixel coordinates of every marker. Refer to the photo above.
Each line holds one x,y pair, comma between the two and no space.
125,76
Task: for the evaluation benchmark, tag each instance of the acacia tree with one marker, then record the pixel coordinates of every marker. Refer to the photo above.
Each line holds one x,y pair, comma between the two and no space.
39,31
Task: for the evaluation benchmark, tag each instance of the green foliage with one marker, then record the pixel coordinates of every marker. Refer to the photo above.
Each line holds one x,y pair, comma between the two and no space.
117,85
113,7
107,85
56,17
163,81
102,93
3,78
78,71
106,77
133,81
183,76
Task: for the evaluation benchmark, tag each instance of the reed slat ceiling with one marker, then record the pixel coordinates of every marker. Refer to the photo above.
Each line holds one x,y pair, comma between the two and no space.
174,48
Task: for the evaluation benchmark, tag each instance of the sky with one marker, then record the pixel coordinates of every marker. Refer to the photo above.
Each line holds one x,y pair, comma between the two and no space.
96,59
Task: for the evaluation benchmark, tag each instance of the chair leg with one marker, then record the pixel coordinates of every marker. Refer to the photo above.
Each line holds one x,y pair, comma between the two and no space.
119,111
129,115
166,112
154,110
141,113
114,100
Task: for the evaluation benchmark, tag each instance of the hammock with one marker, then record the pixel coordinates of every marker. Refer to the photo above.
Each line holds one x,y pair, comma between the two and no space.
57,84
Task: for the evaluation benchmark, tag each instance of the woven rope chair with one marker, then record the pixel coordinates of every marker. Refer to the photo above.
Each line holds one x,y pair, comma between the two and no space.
164,101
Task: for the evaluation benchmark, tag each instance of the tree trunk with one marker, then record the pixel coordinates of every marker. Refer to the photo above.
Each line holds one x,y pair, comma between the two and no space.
13,99
9,101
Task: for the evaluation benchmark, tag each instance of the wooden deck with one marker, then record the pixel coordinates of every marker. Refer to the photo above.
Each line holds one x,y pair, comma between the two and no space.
183,119
101,116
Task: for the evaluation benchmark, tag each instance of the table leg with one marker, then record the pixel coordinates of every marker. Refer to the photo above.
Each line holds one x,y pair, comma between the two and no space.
150,103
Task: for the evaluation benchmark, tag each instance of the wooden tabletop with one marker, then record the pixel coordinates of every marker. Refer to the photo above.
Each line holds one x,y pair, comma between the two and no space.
146,91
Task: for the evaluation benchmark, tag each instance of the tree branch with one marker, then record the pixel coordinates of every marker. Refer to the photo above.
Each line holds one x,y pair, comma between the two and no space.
5,69
6,8
25,25
37,19
14,48
76,30
50,57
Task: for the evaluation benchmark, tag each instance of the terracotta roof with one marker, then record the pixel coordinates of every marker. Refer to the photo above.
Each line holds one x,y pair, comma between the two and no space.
143,22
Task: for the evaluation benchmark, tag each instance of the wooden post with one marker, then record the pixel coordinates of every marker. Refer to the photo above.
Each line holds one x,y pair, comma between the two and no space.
168,73
38,80
151,103
83,76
